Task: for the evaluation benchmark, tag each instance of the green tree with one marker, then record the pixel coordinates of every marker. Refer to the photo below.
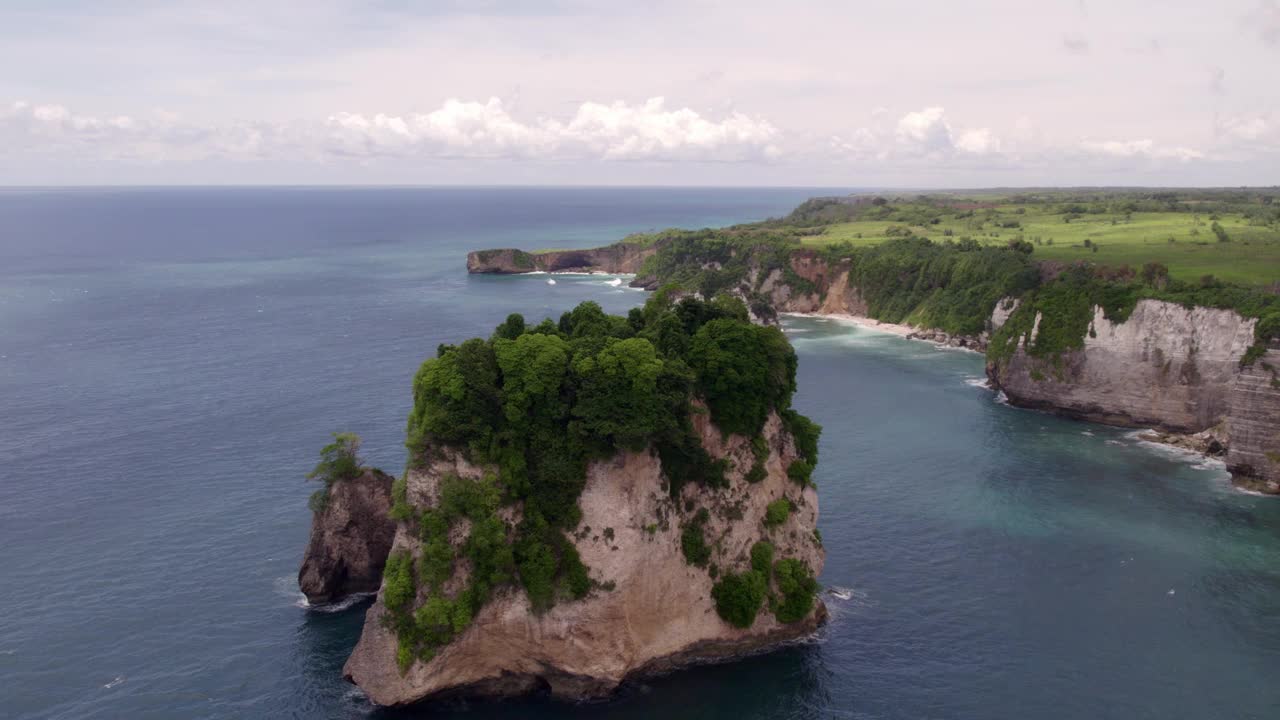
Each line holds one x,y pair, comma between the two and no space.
738,597
743,371
455,399
339,460
618,403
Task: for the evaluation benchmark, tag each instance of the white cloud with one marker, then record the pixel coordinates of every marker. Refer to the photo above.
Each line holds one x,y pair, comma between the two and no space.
979,141
1247,128
457,129
920,133
925,130
616,131
1144,148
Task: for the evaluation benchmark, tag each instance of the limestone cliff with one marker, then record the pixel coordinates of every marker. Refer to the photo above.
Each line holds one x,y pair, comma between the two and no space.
350,539
649,609
1254,421
1167,366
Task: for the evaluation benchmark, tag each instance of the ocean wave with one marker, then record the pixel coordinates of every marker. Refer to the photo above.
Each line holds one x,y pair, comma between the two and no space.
118,680
343,604
1193,458
287,587
978,382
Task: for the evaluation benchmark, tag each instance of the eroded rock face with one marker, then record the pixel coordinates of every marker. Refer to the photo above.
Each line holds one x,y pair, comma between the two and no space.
1254,454
1167,367
654,611
350,540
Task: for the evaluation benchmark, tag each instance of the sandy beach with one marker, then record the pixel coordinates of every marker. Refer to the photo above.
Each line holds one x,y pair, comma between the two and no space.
860,321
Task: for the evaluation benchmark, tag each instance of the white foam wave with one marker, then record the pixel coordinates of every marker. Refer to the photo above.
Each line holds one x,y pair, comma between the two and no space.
1195,459
978,382
551,281
119,679
339,606
614,282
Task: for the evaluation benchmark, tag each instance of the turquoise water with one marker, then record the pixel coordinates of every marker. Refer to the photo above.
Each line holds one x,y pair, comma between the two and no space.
170,361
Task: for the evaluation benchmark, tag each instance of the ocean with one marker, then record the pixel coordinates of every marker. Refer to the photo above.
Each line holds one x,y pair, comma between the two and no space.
171,361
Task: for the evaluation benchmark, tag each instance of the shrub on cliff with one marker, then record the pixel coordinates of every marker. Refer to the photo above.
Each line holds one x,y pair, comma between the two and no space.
777,512
339,460
798,589
738,597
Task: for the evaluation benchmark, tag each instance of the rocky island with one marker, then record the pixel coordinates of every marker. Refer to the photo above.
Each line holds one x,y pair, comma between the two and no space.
1197,360
587,501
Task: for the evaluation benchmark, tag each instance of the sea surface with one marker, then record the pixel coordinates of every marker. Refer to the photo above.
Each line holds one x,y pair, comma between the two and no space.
171,360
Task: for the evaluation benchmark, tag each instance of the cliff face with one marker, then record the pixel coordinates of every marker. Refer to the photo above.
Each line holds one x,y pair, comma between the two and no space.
650,611
350,540
1167,367
1254,454
619,258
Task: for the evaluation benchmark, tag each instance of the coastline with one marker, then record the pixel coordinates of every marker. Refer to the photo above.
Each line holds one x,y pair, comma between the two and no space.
860,321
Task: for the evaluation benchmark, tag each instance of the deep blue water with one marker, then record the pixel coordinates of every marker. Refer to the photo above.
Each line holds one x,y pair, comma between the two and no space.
171,360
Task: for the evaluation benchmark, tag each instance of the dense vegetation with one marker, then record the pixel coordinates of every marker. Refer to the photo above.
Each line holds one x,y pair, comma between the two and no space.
1233,234
537,404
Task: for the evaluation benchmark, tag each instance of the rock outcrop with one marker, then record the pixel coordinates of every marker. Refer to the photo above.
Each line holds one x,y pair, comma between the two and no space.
619,258
649,610
1167,366
1254,421
350,539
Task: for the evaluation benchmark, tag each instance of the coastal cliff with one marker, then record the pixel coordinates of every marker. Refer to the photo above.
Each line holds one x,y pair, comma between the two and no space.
619,258
1093,343
1166,366
649,609
1254,421
350,538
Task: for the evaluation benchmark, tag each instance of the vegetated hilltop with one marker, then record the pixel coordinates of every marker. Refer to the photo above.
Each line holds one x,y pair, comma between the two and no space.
1045,283
593,499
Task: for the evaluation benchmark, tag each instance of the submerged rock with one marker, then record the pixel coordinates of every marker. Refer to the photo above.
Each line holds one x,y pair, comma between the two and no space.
350,539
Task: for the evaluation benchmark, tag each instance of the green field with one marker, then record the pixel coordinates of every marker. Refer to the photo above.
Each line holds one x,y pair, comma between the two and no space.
1183,241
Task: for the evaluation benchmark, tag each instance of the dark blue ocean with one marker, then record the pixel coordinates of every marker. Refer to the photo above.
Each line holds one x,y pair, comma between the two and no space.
171,361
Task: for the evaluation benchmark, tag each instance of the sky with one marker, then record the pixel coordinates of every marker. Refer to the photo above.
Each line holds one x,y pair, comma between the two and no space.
916,94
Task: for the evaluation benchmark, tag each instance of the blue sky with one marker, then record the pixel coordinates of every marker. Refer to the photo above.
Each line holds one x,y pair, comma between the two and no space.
923,94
